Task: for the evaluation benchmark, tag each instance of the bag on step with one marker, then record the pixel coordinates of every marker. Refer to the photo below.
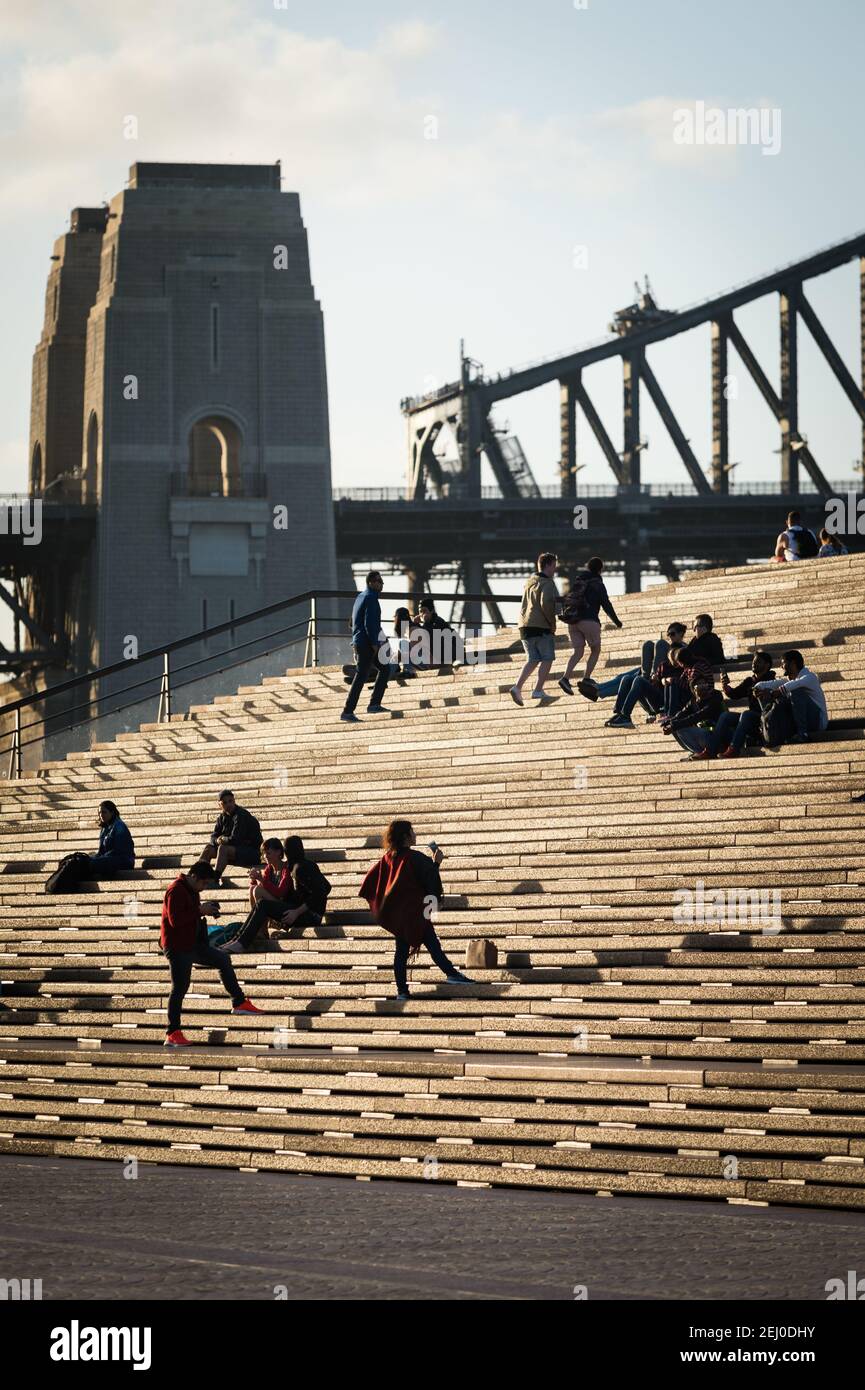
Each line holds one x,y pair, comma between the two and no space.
482,955
72,870
223,932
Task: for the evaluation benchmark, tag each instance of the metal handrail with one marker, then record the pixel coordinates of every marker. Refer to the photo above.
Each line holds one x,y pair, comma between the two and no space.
167,681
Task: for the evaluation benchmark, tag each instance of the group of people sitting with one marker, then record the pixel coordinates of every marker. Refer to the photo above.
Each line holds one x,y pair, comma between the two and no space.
419,642
403,889
675,682
798,542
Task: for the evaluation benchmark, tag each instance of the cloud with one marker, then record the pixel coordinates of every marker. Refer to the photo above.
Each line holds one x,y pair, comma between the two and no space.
351,124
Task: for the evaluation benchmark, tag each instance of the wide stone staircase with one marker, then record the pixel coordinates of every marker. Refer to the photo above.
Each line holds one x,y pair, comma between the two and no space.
615,1048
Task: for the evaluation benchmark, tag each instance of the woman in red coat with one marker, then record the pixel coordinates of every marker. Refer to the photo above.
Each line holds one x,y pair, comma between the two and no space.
404,890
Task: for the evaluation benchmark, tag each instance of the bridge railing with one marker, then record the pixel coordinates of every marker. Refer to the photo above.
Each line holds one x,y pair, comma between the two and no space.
552,491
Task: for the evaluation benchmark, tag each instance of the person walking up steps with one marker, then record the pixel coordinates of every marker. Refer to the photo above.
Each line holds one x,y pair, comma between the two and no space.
582,613
370,648
183,938
404,890
537,626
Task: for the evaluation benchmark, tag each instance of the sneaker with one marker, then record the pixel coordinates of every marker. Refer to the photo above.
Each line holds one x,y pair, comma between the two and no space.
565,685
247,1007
541,696
620,721
402,998
588,689
176,1039
377,709
457,978
516,696
729,753
348,718
232,946
703,756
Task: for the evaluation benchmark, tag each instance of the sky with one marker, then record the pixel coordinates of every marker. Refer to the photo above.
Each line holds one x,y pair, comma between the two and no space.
493,170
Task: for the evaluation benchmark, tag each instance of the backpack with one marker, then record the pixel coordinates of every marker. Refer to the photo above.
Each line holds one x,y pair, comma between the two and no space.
221,933
574,602
72,870
806,541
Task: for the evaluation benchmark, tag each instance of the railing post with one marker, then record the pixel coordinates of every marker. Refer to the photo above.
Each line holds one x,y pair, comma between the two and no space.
15,750
164,715
310,651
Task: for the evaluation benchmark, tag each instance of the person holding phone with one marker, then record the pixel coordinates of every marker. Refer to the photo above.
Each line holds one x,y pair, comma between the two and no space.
404,891
183,938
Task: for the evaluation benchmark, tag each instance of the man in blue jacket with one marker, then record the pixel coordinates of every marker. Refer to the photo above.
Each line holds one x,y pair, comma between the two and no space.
368,641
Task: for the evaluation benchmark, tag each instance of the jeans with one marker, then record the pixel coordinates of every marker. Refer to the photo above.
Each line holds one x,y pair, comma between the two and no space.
796,715
365,656
650,696
692,739
107,865
734,730
181,963
615,683
268,910
400,958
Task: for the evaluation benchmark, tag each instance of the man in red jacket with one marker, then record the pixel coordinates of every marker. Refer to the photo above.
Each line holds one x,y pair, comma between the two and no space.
184,943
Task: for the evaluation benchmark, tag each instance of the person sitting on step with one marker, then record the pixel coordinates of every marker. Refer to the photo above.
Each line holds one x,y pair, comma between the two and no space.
236,837
693,725
831,544
442,642
705,647
653,654
269,890
183,938
116,852
404,891
663,691
734,731
798,705
404,629
581,610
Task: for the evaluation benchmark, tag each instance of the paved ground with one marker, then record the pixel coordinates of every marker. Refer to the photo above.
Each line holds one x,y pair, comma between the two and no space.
183,1233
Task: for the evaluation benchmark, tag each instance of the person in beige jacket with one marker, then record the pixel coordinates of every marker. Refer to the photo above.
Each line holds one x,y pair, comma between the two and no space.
538,626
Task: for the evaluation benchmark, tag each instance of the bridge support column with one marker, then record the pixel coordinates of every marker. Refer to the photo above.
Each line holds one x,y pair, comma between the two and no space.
632,366
789,391
473,570
568,430
417,579
720,414
633,571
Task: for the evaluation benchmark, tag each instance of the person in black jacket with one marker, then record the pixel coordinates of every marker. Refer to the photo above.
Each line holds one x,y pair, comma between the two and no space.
694,723
581,610
733,730
236,837
705,647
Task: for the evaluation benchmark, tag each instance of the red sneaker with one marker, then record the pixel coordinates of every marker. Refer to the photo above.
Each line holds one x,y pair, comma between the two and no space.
729,753
703,756
247,1007
176,1039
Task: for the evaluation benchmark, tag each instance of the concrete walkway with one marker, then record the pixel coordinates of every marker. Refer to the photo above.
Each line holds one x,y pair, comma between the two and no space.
88,1232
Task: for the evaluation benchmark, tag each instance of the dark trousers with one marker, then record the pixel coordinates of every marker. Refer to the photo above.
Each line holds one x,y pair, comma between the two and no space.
400,958
735,729
796,715
366,657
181,963
268,910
